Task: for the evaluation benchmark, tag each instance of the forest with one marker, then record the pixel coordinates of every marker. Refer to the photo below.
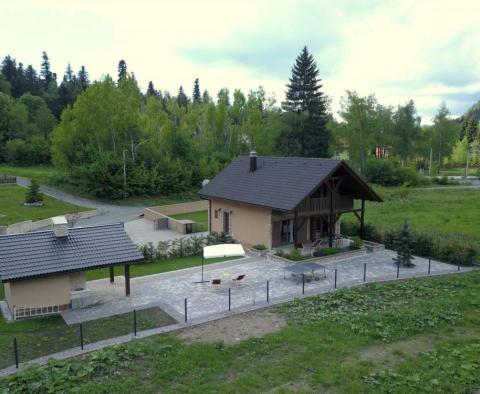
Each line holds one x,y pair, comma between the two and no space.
111,139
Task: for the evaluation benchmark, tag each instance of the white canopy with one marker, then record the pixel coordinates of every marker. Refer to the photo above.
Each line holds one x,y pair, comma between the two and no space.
223,250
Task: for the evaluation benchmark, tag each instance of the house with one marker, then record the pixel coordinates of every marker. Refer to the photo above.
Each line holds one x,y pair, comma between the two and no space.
44,272
284,200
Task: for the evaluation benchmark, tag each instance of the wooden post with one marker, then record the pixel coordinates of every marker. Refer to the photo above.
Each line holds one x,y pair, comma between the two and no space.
112,274
295,230
362,220
331,221
127,280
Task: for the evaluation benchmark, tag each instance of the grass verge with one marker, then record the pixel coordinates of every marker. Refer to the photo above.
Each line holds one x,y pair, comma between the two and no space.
11,206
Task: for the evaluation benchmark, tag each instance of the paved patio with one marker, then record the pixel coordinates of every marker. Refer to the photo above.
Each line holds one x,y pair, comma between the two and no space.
141,232
169,290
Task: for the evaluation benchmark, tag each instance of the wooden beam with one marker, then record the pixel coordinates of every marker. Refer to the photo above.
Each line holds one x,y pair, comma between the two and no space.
331,228
362,219
295,230
112,274
127,280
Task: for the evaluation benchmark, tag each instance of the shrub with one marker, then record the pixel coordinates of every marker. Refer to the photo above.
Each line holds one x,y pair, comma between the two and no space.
319,252
452,249
295,255
33,193
391,173
357,243
280,253
404,246
259,247
215,238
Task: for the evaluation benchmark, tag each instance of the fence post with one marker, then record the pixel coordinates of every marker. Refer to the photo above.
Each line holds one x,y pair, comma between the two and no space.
458,267
303,283
364,272
81,336
186,310
429,264
229,299
398,270
335,278
135,322
268,291
15,351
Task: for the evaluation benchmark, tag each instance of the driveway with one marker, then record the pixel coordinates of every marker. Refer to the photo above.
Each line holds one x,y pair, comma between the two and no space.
110,213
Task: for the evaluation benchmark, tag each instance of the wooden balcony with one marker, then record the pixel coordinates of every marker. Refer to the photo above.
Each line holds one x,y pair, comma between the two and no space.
321,205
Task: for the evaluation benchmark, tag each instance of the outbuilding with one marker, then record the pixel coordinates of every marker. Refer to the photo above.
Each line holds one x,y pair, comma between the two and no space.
44,272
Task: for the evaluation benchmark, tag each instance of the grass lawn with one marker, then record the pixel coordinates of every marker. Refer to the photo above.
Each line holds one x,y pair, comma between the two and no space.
455,211
420,335
458,172
155,267
11,206
201,217
42,174
45,335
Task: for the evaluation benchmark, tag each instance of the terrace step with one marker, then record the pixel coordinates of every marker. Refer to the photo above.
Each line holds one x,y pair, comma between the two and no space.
373,246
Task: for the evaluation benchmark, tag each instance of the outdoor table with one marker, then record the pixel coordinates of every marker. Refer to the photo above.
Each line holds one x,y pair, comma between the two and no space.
307,269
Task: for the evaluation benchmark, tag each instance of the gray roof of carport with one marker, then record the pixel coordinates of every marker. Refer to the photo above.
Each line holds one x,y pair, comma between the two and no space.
41,253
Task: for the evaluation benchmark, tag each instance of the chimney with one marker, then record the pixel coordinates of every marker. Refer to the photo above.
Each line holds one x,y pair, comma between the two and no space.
60,226
253,161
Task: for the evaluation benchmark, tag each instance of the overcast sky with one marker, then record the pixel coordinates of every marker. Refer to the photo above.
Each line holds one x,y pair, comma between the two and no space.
425,50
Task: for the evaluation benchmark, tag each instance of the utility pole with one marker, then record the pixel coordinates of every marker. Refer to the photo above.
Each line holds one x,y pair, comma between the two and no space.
430,165
466,162
124,175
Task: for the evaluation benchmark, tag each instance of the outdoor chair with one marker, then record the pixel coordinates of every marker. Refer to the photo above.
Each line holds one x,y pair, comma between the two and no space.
238,280
216,282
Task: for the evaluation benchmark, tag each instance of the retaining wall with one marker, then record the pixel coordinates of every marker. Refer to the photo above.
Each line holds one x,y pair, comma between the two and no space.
28,225
152,213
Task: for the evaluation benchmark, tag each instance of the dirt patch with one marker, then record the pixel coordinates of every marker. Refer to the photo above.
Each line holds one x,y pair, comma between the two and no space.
235,328
389,354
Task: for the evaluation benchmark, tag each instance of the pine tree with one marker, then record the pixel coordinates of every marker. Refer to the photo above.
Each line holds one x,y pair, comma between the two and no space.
404,247
151,92
83,78
32,83
472,129
45,72
305,101
182,98
206,97
197,96
122,70
33,193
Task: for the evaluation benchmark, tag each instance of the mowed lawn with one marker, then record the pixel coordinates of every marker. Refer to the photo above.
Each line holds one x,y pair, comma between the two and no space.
454,210
201,217
46,335
419,335
42,174
12,209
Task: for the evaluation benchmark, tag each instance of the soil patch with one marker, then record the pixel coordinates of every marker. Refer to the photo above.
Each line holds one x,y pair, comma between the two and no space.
235,328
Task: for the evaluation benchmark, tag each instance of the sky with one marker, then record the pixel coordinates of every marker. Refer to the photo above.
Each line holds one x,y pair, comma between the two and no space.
424,50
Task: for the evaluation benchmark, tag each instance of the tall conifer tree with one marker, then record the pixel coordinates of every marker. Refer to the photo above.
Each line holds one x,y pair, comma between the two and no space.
307,108
151,90
122,70
197,96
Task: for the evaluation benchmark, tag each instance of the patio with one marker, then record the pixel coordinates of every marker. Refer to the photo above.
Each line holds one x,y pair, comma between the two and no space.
169,290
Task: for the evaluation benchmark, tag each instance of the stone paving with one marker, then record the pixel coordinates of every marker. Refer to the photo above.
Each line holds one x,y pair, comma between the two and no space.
169,290
141,232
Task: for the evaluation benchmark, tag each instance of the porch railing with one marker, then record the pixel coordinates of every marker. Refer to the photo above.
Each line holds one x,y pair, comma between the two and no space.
322,204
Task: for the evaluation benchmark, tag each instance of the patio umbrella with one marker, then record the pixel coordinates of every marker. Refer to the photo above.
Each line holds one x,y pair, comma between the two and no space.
221,250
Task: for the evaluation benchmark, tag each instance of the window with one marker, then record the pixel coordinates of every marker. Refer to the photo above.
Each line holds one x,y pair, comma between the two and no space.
286,231
216,214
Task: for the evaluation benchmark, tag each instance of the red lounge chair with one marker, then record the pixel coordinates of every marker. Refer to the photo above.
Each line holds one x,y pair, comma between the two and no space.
216,281
238,279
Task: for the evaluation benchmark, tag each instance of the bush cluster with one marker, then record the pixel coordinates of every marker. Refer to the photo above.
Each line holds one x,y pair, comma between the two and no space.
319,252
391,173
452,249
182,247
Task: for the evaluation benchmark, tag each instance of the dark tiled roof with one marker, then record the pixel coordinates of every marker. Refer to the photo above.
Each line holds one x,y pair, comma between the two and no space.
42,253
279,182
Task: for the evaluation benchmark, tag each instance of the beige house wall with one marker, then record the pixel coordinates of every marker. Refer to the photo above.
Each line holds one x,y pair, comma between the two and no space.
52,290
249,225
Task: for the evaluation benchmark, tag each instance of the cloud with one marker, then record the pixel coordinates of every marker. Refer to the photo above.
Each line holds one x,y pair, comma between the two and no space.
424,50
